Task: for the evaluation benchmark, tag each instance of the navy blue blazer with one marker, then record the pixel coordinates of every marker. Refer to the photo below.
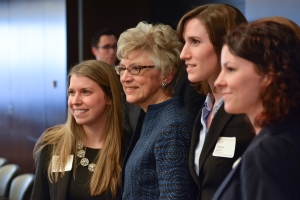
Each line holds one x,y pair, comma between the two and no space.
269,168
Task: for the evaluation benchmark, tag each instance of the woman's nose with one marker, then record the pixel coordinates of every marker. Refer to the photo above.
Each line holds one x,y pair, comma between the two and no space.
185,54
76,99
220,82
126,76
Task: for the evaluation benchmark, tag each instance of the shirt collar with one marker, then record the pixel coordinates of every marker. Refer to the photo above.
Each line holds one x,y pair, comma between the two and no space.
209,102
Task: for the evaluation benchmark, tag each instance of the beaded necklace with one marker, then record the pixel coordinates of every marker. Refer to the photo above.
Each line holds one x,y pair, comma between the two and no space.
84,161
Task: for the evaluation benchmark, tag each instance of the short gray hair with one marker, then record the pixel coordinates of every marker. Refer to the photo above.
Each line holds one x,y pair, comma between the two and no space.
160,41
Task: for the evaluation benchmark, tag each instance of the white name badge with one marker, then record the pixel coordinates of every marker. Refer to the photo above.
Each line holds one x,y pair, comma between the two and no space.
225,147
57,168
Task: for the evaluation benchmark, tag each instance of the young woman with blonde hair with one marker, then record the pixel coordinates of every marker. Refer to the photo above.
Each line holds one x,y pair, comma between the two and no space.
82,158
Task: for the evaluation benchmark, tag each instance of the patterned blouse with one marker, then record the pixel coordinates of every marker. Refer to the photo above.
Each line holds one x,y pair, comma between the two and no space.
157,165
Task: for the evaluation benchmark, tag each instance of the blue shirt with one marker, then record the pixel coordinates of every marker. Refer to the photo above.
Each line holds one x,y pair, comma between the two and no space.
207,108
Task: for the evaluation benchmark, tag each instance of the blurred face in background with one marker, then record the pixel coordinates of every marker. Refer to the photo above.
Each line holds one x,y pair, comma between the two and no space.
106,49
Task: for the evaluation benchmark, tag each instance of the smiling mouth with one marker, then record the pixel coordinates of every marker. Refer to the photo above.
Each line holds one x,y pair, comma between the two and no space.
130,88
190,65
80,111
225,94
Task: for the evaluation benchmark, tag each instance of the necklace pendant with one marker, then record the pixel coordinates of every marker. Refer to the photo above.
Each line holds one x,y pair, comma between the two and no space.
92,167
81,153
79,145
84,162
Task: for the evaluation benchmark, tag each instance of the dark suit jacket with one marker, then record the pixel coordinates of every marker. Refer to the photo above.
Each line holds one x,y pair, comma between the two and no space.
212,169
43,189
131,114
192,100
269,168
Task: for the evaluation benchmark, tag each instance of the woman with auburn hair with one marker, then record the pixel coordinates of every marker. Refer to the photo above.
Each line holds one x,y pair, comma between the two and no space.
282,20
262,59
218,138
82,158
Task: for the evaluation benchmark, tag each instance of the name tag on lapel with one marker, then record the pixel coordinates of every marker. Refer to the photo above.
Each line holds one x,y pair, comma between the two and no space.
57,168
225,147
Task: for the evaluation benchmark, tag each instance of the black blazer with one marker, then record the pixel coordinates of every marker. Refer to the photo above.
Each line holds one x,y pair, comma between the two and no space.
269,168
212,169
43,189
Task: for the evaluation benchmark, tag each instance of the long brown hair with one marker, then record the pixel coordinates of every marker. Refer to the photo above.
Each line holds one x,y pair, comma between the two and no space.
62,139
217,19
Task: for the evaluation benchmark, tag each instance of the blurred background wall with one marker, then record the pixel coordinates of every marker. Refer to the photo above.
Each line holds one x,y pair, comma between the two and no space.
40,40
32,74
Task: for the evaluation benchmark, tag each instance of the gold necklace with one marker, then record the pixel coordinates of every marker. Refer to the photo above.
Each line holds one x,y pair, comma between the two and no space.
84,161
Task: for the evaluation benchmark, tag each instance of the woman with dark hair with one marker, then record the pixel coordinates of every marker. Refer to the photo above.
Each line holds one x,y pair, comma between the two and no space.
261,77
218,138
285,21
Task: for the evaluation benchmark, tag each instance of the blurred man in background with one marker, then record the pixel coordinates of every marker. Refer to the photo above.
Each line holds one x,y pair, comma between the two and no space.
104,46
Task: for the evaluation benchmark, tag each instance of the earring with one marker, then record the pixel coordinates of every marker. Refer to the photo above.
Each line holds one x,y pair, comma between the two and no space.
164,85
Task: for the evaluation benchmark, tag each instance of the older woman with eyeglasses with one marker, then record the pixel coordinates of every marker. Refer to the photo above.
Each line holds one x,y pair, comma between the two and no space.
156,163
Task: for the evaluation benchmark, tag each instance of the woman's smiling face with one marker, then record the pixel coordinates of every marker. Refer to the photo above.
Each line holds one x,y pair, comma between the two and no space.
143,89
86,101
241,85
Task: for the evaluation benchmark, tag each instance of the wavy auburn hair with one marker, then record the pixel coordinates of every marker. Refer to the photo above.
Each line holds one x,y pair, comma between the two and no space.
274,49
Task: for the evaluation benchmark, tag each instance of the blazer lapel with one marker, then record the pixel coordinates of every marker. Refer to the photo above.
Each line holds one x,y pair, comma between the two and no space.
194,143
59,188
134,139
218,123
224,184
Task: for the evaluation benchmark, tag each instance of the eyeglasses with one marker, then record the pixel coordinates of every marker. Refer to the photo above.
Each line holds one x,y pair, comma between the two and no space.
133,69
107,47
